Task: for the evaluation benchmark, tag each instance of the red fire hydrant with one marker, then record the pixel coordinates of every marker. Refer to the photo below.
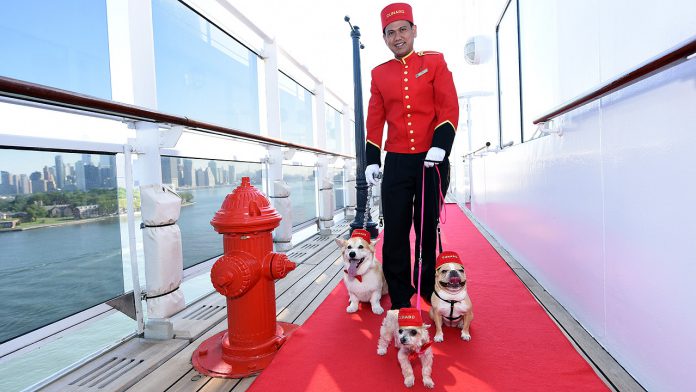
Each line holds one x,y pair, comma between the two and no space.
245,274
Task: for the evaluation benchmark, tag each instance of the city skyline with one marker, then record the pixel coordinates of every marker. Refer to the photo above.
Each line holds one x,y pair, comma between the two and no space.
25,171
51,171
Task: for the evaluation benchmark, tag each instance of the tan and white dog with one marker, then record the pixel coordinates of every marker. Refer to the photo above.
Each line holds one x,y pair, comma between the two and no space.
362,273
450,302
405,327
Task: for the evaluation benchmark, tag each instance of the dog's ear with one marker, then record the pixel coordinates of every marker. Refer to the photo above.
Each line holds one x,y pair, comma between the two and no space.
425,335
393,316
373,244
341,242
371,247
391,322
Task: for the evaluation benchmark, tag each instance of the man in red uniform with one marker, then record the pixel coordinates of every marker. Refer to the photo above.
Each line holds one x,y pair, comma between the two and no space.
414,94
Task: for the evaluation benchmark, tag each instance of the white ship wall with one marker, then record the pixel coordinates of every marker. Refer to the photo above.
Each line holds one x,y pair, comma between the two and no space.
604,216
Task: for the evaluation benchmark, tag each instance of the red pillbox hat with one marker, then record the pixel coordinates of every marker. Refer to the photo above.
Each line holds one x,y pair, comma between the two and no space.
396,11
362,233
447,257
410,317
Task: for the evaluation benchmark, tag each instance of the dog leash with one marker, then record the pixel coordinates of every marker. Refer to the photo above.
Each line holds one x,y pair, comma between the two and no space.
440,203
441,212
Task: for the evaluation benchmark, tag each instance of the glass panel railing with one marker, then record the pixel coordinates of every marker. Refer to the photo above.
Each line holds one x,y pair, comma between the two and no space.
65,130
60,236
303,193
55,355
295,112
339,188
202,72
203,184
333,129
62,44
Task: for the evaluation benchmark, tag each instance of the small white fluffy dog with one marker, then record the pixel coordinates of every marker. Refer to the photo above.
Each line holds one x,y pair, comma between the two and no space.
450,301
405,327
363,274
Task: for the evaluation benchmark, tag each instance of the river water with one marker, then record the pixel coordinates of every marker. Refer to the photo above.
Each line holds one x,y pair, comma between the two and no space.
50,273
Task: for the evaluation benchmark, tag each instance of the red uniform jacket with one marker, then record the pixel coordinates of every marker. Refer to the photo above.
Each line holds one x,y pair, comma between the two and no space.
417,99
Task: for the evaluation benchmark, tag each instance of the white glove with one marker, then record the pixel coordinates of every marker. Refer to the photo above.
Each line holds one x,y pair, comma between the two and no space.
434,156
371,173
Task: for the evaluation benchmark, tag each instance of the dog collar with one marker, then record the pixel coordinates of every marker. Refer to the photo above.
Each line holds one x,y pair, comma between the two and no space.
414,355
358,277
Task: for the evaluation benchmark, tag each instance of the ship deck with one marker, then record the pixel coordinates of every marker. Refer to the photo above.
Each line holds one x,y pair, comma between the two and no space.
145,365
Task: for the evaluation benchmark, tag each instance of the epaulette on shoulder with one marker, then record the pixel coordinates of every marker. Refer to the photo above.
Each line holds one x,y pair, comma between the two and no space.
424,52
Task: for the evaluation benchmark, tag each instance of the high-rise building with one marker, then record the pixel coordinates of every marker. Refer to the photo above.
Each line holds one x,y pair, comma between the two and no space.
189,174
209,177
23,185
92,177
170,173
49,178
8,185
4,178
60,172
180,170
80,176
232,174
105,177
107,171
221,176
38,184
212,165
201,180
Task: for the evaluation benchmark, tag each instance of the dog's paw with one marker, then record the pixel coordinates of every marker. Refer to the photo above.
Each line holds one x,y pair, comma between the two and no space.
409,381
381,350
377,309
465,336
352,308
439,337
428,382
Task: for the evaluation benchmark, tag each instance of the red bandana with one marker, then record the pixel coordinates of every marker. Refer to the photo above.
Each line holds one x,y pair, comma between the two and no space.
414,355
358,277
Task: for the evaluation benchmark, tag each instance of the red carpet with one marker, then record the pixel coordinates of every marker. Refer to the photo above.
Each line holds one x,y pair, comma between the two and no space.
514,345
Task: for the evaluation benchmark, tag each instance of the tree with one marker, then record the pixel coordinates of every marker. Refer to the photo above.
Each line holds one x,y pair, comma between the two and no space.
186,197
34,211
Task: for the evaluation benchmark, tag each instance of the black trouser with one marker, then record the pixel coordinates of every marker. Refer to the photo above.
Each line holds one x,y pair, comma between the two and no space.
401,201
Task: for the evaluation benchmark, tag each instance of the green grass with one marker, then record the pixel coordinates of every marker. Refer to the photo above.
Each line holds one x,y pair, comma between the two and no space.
45,221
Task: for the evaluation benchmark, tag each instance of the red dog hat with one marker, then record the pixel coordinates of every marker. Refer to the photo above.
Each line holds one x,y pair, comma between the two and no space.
362,233
447,257
410,317
396,11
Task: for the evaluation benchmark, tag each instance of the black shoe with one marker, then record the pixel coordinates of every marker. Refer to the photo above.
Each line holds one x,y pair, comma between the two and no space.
400,305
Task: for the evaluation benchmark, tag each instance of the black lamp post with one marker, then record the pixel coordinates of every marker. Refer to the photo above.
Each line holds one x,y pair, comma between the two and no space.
363,218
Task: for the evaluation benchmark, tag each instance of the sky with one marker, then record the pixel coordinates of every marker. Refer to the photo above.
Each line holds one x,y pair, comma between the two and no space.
26,162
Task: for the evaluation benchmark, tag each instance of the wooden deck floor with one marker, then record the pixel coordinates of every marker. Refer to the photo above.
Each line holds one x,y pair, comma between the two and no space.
144,365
